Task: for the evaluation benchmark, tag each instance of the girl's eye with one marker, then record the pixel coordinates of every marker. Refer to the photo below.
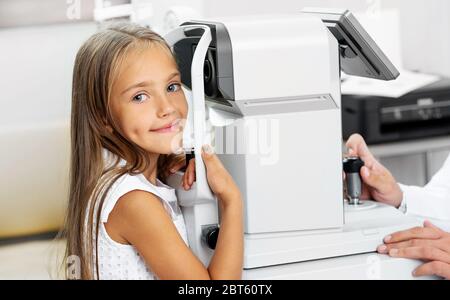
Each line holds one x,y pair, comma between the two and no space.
174,87
140,98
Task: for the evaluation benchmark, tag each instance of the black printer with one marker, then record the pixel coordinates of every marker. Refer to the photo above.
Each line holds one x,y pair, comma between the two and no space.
422,113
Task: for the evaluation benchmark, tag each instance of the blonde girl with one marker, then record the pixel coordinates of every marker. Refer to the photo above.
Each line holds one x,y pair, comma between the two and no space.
123,221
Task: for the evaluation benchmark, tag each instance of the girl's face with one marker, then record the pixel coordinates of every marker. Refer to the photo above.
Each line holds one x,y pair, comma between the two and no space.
147,102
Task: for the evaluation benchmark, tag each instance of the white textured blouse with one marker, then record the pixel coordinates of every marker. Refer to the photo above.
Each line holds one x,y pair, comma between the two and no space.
119,261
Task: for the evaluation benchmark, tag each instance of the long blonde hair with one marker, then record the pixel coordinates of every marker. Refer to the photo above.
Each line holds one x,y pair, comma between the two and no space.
96,67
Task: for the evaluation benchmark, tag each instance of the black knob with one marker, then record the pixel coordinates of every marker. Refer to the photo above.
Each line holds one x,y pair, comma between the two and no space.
353,165
211,234
352,168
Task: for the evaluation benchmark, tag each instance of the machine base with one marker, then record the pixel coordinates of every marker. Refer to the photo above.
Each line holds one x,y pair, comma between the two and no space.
370,266
364,229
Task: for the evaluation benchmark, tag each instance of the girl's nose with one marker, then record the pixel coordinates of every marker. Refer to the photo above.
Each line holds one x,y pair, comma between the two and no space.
166,108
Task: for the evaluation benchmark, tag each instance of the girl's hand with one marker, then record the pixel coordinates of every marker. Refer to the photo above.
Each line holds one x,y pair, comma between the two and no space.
220,181
189,175
173,164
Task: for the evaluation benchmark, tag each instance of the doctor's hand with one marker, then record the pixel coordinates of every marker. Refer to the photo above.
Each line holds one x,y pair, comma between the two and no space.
428,243
378,182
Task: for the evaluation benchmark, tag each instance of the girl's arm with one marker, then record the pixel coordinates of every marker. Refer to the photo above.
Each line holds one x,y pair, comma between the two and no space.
140,219
227,260
228,256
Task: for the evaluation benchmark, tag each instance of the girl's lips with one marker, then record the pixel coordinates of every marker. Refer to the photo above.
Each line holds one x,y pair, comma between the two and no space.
173,127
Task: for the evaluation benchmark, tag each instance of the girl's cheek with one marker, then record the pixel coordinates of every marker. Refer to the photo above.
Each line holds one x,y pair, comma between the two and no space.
184,109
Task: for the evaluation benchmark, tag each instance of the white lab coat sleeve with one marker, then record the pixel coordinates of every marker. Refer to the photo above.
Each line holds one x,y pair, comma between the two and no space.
431,201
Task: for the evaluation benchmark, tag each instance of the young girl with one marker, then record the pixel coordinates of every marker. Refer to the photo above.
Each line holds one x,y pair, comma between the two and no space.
123,222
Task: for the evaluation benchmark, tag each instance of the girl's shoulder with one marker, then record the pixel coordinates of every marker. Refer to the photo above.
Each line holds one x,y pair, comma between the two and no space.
131,182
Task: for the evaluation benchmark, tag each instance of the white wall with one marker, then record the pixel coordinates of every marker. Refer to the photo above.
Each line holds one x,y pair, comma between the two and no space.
426,34
36,71
239,7
35,94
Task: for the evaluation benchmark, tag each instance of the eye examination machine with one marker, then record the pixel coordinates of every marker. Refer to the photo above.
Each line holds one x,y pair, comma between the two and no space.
265,92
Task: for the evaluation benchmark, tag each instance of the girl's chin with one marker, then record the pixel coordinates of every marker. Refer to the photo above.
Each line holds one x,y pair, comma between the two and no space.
166,146
166,150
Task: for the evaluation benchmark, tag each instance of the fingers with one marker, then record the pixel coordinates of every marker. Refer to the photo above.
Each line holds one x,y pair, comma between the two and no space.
423,253
370,173
422,243
413,233
365,193
437,268
176,167
189,175
191,167
211,162
428,224
207,152
357,147
376,179
385,248
210,158
176,163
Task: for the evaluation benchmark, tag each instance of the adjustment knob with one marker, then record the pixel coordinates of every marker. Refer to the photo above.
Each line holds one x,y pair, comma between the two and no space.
352,167
210,235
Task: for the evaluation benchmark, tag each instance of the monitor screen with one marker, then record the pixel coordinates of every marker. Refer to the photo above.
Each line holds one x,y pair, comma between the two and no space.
360,55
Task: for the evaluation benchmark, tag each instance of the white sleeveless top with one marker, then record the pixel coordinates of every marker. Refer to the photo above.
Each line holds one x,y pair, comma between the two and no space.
119,261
